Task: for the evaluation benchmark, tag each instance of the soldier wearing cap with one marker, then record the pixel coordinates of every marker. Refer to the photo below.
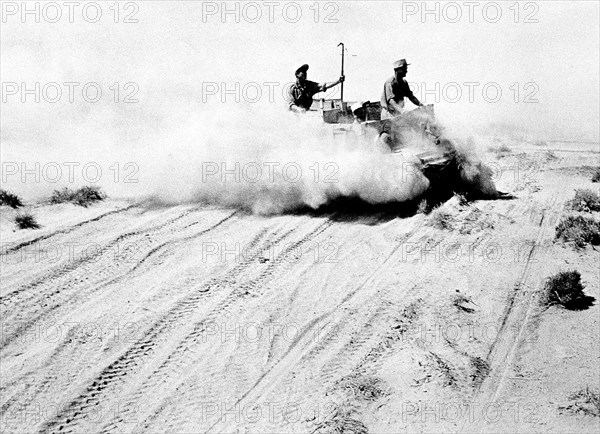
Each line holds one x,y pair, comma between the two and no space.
300,95
395,90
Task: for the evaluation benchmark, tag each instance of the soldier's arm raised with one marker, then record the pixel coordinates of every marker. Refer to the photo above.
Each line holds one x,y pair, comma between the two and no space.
326,86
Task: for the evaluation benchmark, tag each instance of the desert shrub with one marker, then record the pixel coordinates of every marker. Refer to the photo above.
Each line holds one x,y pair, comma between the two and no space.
89,194
423,207
10,199
540,143
61,196
460,301
585,200
596,175
341,422
579,229
585,401
500,150
362,388
83,196
462,198
480,369
441,219
26,221
564,289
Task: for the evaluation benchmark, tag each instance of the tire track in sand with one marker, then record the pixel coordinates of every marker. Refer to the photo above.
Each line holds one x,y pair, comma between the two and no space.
133,357
514,322
297,352
50,378
187,352
56,290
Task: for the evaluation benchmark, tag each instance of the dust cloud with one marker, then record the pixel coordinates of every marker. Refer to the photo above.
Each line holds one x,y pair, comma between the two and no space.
270,162
260,159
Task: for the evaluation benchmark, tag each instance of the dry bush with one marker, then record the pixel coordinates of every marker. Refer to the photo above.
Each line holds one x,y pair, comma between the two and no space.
423,207
84,196
596,175
585,401
362,388
441,219
341,423
26,221
579,229
585,200
10,199
481,369
460,301
501,150
565,289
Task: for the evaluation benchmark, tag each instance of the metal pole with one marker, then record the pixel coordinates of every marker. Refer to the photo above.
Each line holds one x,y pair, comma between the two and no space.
342,85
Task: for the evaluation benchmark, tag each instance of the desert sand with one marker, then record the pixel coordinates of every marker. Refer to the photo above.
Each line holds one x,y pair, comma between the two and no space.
124,317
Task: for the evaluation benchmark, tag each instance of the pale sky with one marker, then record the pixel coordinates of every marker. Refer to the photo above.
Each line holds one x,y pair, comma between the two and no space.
175,51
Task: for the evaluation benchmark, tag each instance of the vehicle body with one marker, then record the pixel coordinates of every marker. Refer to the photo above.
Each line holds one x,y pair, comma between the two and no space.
414,133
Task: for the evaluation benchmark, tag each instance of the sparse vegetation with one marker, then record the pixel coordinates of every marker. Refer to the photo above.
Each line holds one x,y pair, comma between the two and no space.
10,199
549,156
355,389
362,388
585,200
585,401
579,229
481,369
501,150
441,219
540,143
564,289
460,301
596,175
462,198
423,207
83,196
443,368
26,221
341,422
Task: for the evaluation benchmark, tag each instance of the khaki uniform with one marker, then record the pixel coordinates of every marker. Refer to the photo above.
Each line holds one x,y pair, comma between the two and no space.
397,91
301,95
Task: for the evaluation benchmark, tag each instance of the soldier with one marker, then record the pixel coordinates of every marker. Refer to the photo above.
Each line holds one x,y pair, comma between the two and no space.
300,95
395,90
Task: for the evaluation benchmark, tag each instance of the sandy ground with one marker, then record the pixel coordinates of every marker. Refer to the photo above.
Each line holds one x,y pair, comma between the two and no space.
124,318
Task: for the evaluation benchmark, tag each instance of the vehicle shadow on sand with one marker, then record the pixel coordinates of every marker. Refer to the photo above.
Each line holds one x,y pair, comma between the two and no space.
356,210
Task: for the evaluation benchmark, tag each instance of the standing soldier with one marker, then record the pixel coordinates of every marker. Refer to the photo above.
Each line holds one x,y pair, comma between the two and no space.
300,95
395,90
